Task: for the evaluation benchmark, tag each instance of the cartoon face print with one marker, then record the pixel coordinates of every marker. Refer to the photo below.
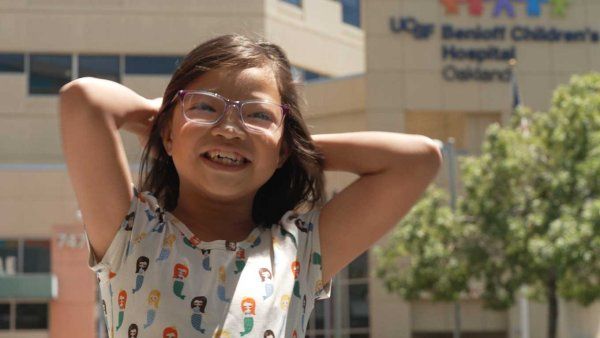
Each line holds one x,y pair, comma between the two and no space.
248,305
129,221
295,269
142,264
222,275
169,240
264,274
160,214
269,334
122,298
285,302
170,332
240,254
154,298
205,252
199,303
300,225
132,332
231,246
319,285
180,271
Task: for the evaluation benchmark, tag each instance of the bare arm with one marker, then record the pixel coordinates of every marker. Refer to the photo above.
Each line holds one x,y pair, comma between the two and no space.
91,112
394,170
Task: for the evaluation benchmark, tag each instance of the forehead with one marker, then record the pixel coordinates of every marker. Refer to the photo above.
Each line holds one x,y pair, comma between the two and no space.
240,84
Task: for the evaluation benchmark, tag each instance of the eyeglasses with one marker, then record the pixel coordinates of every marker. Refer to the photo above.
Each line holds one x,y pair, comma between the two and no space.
207,108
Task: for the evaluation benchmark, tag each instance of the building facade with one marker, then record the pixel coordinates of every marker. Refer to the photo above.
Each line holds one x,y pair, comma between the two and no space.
437,68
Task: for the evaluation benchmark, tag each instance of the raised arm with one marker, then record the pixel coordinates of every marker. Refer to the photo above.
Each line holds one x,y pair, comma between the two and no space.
91,113
394,171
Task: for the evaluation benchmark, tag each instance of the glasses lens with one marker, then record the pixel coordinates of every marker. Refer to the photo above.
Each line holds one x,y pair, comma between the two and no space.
262,115
202,108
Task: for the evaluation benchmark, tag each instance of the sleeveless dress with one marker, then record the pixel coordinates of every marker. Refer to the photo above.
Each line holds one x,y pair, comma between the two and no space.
158,280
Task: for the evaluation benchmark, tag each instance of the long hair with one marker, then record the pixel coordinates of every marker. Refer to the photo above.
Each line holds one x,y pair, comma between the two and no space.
298,182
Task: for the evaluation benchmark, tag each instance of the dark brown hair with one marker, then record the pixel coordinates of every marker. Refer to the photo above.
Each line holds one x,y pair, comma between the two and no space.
299,181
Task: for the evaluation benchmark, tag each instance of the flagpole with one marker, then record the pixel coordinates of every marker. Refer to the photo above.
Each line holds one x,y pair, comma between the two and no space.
515,104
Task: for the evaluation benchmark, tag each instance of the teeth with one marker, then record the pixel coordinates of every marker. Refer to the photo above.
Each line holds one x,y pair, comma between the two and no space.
224,157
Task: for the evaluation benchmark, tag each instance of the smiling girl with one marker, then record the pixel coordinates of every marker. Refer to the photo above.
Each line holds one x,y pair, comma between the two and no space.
230,171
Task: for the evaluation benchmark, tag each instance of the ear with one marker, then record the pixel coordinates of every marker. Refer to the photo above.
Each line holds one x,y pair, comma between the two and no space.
166,135
284,153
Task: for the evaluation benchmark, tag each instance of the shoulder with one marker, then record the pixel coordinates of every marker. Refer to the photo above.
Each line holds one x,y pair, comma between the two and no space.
144,208
295,226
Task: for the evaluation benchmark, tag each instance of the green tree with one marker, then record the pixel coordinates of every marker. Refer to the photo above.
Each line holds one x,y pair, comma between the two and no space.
425,242
529,214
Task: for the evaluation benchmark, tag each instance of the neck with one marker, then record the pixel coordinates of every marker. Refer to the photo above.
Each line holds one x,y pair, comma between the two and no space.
211,219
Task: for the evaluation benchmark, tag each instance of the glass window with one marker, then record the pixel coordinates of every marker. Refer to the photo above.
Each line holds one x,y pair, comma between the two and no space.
32,316
151,64
48,73
319,314
4,316
359,268
9,250
351,12
36,256
100,66
294,2
300,74
359,305
310,76
11,63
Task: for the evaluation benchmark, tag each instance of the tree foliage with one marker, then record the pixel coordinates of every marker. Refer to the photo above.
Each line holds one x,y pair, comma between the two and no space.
529,214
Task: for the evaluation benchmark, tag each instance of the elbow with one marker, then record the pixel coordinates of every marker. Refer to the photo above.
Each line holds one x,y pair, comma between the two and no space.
432,158
74,94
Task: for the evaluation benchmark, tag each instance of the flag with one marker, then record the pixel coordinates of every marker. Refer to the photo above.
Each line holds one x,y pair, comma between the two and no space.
514,89
516,98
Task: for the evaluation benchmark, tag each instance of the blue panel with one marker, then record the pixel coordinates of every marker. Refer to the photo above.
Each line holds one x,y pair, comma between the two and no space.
351,12
100,66
294,2
12,63
151,64
27,286
48,73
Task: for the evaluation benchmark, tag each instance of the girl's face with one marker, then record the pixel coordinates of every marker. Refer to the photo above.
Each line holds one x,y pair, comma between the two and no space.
188,142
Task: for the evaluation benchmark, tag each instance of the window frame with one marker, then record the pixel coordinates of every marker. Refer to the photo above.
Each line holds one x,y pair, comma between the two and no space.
22,69
21,252
29,74
12,327
341,282
345,14
297,3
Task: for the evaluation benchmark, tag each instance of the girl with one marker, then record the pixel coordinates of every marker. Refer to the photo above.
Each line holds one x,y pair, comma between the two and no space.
230,170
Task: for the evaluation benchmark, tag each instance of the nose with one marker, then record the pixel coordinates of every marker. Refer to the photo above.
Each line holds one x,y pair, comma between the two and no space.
231,125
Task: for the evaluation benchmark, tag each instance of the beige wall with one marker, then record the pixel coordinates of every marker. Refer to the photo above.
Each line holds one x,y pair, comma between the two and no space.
152,27
316,37
405,91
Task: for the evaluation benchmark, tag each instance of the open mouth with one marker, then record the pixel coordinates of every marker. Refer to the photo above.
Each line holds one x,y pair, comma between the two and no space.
225,158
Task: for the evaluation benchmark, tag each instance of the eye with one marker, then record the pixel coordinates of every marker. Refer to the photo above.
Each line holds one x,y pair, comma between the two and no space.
204,107
262,116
